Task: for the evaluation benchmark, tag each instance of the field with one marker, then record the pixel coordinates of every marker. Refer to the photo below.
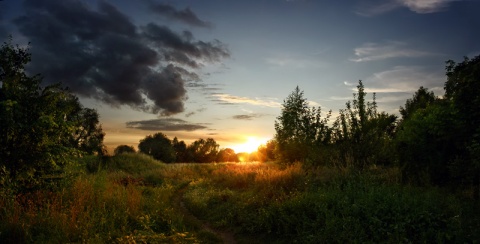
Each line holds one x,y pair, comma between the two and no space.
132,198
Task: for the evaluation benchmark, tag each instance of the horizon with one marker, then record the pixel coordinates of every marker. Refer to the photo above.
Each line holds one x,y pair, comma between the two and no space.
221,69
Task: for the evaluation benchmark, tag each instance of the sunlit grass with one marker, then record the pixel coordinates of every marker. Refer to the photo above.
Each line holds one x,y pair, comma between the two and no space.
99,207
131,198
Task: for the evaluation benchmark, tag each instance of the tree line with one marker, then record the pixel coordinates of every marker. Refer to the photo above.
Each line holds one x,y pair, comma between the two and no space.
160,147
436,141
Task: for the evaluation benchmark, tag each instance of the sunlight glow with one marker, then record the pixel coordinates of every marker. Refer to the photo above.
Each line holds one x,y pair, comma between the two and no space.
250,145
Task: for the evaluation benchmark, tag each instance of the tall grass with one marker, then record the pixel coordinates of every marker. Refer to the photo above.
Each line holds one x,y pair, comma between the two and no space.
133,198
98,207
326,205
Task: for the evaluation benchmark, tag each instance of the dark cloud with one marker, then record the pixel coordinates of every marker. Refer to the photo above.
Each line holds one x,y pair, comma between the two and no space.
189,114
247,116
186,16
165,124
100,53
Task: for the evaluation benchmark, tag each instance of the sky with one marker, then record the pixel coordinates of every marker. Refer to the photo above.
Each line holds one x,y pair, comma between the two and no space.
221,68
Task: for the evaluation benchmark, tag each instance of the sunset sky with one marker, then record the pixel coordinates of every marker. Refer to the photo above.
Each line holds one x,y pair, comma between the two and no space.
221,68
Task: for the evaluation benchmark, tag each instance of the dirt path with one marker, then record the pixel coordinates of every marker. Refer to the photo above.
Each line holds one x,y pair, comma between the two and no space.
224,236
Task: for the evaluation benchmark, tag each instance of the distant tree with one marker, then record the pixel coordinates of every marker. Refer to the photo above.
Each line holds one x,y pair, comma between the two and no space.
362,135
41,128
181,152
300,129
88,135
204,151
124,149
227,155
158,146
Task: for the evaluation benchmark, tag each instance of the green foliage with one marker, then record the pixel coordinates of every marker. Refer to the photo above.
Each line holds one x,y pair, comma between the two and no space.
132,163
138,199
438,139
299,129
41,128
203,151
158,146
273,204
421,99
463,90
123,149
362,135
425,144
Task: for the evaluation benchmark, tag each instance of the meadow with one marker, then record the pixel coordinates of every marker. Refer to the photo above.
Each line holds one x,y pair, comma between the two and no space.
131,198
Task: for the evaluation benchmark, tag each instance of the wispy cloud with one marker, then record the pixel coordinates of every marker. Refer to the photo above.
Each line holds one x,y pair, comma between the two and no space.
426,6
165,124
288,61
404,79
231,99
417,6
248,116
393,49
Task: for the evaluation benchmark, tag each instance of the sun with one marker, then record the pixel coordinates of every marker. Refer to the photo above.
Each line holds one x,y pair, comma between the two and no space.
250,145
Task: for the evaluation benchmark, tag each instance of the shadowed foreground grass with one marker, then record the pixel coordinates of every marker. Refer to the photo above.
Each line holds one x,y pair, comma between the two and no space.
130,198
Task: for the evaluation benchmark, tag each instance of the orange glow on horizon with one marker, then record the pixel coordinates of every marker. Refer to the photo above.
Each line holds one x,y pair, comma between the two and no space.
250,145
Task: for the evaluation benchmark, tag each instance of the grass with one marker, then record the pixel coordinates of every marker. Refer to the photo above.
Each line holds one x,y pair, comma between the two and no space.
131,198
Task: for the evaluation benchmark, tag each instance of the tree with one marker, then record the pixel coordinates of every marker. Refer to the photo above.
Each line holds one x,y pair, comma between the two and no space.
39,125
227,155
421,99
159,147
425,144
181,152
204,151
267,152
124,149
300,129
362,135
462,89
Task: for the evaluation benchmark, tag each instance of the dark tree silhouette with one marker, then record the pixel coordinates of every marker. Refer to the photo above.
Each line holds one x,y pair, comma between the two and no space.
159,147
41,128
124,149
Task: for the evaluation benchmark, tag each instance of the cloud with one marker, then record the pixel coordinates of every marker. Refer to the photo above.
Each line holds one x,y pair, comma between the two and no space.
100,53
404,79
348,83
426,6
186,16
294,62
230,99
247,116
417,6
165,124
189,114
392,49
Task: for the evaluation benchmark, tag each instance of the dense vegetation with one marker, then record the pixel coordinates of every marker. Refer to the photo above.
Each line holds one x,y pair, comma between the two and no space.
42,129
365,176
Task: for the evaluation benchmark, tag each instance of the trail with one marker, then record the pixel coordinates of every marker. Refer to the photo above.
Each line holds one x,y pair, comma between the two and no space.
224,236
